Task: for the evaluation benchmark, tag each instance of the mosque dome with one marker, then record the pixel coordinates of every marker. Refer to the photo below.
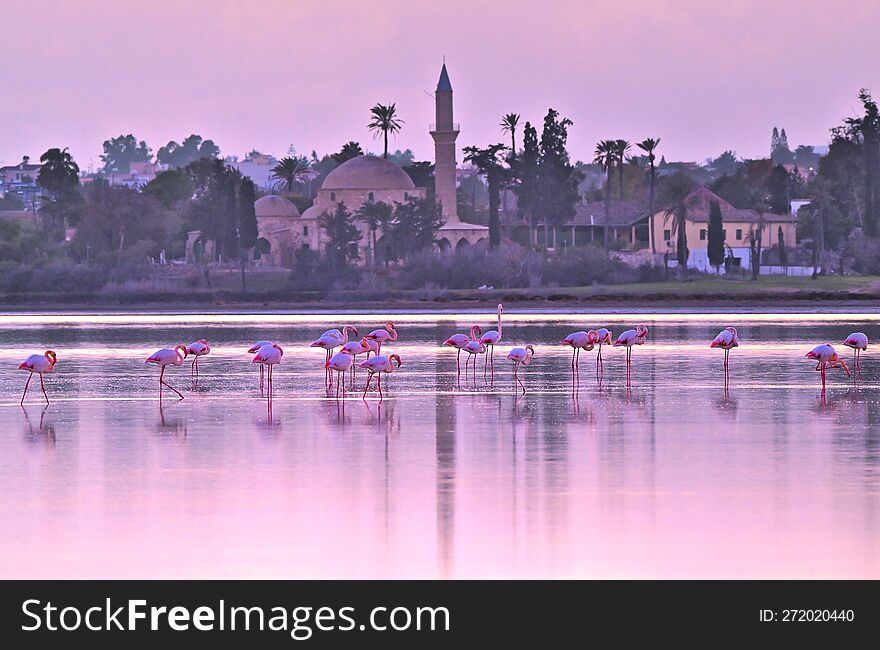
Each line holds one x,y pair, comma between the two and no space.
275,206
368,173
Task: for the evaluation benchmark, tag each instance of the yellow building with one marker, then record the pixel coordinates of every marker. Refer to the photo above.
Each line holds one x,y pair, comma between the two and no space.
739,226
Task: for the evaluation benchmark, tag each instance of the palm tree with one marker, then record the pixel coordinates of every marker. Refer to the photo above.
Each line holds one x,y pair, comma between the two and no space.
681,204
290,169
350,149
606,155
384,121
489,163
622,147
509,123
375,214
59,171
648,145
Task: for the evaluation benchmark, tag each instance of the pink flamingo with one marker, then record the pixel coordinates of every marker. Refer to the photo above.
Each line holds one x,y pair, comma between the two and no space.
858,341
490,339
379,364
726,340
255,348
825,355
578,341
473,348
198,349
354,348
628,339
459,341
167,357
601,336
268,355
40,364
520,357
330,340
383,335
341,362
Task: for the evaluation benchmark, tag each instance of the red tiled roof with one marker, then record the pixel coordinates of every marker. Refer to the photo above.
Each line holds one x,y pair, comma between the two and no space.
703,197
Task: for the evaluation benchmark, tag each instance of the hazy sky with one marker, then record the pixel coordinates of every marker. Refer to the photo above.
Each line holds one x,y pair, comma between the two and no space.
703,75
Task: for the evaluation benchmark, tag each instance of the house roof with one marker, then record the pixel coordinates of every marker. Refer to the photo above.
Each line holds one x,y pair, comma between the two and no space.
620,213
702,198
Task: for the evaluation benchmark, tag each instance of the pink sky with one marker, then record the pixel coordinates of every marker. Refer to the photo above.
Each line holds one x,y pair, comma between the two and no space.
266,74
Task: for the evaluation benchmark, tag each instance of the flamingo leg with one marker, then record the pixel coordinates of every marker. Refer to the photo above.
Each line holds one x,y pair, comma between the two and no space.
261,378
26,384
485,364
493,364
369,378
381,397
823,376
165,383
43,386
458,366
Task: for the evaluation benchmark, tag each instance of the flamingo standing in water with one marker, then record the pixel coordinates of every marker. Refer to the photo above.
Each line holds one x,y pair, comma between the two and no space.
198,349
520,357
459,341
167,357
40,364
379,364
268,355
255,348
383,335
825,355
341,362
726,340
330,340
600,336
473,348
490,339
578,341
628,339
354,348
858,341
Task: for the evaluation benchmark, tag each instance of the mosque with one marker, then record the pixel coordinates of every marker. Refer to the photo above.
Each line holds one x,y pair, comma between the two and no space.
372,178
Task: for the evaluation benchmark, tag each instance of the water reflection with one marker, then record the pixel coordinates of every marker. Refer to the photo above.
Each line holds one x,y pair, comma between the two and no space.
688,472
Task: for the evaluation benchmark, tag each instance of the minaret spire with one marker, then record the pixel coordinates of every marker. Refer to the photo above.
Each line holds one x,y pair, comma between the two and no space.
445,132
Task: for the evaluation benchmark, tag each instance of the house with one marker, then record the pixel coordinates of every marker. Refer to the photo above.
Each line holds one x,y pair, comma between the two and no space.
739,227
21,179
627,223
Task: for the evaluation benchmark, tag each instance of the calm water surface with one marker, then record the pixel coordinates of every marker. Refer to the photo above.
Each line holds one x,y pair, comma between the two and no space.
673,478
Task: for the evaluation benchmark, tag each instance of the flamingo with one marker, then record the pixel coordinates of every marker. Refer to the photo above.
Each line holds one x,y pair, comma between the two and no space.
459,341
578,341
330,340
167,357
726,339
379,364
268,355
825,355
383,335
255,348
521,356
601,336
40,364
473,348
341,362
628,339
858,341
491,338
354,348
198,349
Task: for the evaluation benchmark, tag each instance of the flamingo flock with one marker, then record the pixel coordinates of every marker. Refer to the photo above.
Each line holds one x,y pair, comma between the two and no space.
268,354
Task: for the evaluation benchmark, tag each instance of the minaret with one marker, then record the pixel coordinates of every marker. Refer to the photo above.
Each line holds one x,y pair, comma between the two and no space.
444,132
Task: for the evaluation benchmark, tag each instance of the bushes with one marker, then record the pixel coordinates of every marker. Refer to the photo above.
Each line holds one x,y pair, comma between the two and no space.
58,276
511,267
313,271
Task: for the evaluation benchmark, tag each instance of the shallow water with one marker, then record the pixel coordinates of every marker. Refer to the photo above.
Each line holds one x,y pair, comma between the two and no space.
672,478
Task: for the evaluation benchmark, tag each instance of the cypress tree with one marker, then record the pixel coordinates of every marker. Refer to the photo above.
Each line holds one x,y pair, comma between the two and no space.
715,244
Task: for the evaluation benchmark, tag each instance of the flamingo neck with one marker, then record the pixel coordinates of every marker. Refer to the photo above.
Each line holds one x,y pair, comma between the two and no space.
499,321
